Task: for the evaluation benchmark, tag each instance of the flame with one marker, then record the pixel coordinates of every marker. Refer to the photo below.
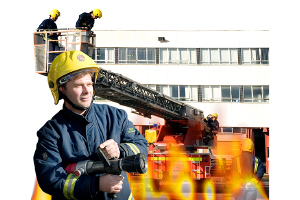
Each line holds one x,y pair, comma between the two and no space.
209,191
38,193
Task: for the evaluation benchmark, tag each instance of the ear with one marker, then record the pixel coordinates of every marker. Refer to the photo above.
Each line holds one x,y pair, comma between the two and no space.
62,89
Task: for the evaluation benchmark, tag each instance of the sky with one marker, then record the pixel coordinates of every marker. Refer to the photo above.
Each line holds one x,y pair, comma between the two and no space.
27,102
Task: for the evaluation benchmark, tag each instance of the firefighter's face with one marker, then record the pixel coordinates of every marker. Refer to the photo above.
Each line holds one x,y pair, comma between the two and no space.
213,118
79,91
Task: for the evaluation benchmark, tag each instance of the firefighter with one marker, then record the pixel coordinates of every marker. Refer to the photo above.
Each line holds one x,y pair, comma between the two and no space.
50,25
211,128
86,20
75,132
247,170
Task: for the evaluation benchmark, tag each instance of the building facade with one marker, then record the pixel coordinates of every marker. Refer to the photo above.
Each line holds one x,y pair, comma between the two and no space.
224,72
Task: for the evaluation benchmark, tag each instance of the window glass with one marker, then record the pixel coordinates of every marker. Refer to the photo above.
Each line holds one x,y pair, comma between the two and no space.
183,91
247,94
257,93
224,56
255,56
193,56
266,93
122,55
216,91
164,89
265,56
235,93
214,57
141,53
174,91
131,55
194,93
183,56
233,56
227,130
153,87
173,56
245,56
163,56
206,93
226,97
204,56
237,130
151,55
110,55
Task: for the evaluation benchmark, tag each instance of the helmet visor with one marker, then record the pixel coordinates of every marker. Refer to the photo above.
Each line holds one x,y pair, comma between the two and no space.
68,77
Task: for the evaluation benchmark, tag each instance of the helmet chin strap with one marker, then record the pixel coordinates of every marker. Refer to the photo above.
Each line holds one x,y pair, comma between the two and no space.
74,105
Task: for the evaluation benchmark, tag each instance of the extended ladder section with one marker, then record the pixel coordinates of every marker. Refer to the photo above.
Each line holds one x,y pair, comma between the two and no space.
146,102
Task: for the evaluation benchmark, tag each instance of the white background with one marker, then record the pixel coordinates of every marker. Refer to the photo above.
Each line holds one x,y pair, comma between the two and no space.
26,101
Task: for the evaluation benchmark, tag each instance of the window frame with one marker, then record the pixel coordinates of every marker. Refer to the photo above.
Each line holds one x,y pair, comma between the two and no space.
251,56
135,58
189,87
107,50
178,56
228,61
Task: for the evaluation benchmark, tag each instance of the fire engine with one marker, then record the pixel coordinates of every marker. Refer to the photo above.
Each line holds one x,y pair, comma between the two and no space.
175,148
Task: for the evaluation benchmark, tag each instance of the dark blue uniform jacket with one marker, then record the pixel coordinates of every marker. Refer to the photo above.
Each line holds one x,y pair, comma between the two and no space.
85,20
69,138
49,24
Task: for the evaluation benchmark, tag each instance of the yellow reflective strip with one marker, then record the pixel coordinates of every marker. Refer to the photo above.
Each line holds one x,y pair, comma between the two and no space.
65,190
238,165
130,196
256,165
69,186
73,186
133,148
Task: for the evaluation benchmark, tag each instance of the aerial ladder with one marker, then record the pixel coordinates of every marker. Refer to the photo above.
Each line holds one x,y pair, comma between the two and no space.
175,148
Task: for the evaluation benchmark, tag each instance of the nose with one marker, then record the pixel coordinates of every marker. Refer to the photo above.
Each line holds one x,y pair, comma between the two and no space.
87,88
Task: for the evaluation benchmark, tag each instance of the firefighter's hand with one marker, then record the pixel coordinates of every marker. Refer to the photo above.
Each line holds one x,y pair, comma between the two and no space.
110,148
110,183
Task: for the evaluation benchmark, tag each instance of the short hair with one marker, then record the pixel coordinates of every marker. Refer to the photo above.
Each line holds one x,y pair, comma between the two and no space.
77,76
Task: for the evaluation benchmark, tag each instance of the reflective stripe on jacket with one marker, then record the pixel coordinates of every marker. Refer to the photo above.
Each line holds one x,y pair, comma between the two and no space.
70,138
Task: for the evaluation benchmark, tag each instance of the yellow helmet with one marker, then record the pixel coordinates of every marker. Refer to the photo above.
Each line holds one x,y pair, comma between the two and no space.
215,115
247,145
54,13
97,13
66,63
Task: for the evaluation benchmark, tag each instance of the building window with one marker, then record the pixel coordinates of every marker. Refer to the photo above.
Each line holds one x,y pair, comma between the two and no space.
220,94
137,55
177,56
180,92
215,56
256,93
255,56
153,87
104,55
232,130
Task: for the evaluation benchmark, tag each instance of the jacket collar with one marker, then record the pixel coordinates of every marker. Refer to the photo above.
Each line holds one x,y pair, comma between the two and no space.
77,117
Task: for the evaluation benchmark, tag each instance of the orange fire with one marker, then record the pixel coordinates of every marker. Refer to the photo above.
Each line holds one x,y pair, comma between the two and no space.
38,193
